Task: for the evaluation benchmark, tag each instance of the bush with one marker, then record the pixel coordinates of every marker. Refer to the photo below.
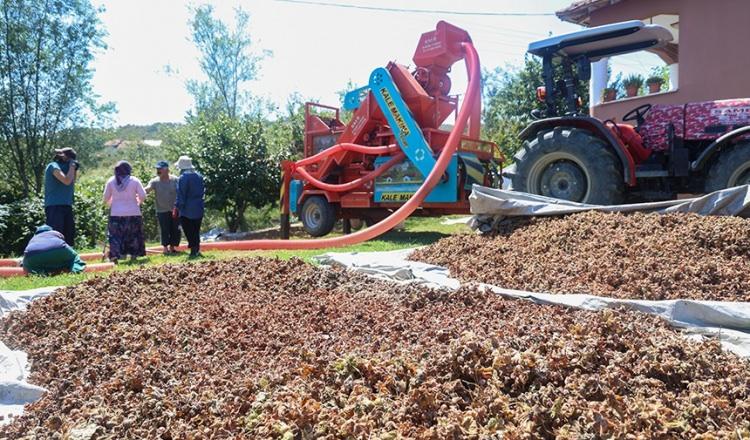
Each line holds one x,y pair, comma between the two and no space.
90,212
18,221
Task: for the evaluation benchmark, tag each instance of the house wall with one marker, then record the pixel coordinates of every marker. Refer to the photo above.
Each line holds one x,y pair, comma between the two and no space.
714,38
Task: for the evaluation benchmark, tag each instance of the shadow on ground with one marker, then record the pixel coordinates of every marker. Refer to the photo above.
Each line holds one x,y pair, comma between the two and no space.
421,238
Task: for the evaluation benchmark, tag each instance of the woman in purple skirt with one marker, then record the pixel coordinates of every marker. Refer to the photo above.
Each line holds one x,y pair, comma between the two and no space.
124,195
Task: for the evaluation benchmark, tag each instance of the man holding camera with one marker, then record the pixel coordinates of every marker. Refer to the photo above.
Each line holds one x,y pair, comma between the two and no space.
59,182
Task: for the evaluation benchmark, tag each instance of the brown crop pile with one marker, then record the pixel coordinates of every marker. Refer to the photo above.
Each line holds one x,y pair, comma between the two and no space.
280,349
642,256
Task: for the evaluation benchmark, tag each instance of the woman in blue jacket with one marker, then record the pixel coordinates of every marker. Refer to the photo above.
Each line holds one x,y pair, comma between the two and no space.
189,204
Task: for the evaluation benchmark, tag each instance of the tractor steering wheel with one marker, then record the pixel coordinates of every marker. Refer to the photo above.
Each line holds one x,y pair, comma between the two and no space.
637,114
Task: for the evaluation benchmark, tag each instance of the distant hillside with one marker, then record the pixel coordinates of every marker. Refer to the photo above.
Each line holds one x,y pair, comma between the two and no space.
140,132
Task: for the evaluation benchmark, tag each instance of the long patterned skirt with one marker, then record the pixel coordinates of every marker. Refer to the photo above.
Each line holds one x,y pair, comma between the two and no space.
126,237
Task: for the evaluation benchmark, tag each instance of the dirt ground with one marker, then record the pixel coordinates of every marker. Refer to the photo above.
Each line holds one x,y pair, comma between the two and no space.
641,256
259,348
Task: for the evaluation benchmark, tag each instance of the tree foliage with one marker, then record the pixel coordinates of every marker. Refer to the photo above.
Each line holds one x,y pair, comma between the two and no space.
509,96
232,155
46,50
286,133
226,59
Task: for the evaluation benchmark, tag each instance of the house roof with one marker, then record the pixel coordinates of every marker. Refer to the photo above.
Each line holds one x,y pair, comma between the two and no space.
580,11
113,143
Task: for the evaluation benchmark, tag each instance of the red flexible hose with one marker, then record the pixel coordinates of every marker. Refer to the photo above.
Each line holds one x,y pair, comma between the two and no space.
6,272
357,148
356,183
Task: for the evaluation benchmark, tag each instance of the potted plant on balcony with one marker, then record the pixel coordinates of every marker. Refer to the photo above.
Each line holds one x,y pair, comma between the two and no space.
654,84
609,94
632,85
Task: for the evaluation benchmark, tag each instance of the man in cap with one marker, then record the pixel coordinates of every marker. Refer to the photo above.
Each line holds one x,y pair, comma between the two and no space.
59,183
189,204
164,186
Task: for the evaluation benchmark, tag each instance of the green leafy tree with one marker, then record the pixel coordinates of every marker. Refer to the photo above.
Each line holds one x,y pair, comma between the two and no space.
226,59
46,50
285,134
509,96
233,157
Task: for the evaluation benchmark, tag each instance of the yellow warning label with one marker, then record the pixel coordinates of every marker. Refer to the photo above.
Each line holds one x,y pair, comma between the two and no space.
395,197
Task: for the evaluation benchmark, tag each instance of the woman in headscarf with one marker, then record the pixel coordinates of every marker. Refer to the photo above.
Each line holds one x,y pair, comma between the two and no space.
124,195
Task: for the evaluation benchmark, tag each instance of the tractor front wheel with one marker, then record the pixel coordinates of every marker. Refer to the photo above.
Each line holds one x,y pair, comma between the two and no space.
569,164
317,216
732,168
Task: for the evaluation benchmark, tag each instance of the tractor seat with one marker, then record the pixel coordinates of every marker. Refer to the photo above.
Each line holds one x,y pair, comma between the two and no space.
631,139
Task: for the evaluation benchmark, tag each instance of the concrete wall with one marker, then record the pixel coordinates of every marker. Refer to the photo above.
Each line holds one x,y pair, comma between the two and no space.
713,47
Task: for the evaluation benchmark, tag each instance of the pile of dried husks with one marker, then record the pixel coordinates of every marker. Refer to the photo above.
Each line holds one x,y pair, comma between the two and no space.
280,349
642,256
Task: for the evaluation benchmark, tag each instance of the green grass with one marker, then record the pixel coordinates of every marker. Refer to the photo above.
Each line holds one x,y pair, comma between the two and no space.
418,232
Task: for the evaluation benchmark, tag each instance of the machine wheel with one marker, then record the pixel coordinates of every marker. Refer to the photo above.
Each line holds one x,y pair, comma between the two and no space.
732,168
570,164
318,216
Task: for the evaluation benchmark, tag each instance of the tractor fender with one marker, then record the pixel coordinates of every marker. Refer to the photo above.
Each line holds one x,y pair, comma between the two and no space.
593,125
716,145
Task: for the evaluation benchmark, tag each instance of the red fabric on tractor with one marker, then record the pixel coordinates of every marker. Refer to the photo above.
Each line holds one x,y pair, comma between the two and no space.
633,142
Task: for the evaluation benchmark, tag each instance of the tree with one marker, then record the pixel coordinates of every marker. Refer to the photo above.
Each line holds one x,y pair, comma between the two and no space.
226,59
285,134
509,97
232,155
46,50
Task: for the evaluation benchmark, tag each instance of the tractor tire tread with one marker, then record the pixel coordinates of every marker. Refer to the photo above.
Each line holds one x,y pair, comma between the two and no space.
603,165
729,159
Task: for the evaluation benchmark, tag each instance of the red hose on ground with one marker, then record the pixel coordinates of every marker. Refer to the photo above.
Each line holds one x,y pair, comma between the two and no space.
472,94
6,272
16,262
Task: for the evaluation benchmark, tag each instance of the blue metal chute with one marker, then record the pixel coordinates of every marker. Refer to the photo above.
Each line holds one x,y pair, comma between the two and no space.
353,99
406,130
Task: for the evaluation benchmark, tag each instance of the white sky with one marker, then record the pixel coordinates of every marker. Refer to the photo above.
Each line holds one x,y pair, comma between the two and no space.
316,49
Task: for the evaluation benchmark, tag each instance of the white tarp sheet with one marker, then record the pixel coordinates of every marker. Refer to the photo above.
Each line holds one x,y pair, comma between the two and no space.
14,368
727,321
490,205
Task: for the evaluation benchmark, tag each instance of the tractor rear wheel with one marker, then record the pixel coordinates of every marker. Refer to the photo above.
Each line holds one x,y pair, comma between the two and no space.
569,164
317,216
732,168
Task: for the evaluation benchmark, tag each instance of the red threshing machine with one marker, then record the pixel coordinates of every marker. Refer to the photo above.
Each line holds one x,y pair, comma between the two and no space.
369,167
